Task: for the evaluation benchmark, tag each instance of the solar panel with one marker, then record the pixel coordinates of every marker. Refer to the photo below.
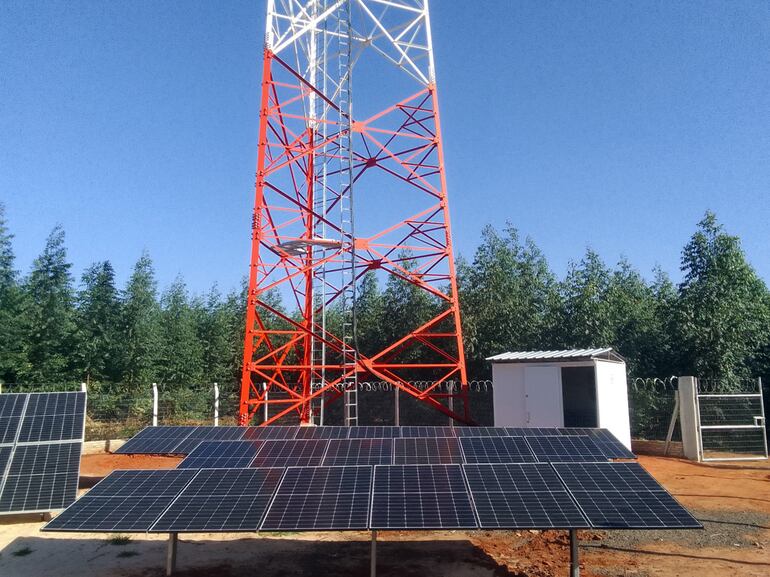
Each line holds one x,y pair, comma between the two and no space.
427,432
272,432
199,434
496,450
480,431
221,500
420,497
565,449
623,496
11,409
124,502
359,452
221,454
606,476
521,496
427,451
322,433
373,432
5,457
643,510
291,453
53,417
41,477
532,431
611,447
160,440
321,498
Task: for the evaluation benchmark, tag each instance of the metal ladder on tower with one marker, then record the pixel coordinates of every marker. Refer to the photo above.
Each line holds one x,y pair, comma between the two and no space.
348,280
320,110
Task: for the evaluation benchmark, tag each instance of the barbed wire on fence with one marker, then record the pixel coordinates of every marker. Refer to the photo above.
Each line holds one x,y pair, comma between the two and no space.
114,411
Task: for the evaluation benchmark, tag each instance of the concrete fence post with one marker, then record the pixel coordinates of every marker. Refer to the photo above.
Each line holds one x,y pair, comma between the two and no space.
688,417
83,387
397,405
155,404
216,405
264,388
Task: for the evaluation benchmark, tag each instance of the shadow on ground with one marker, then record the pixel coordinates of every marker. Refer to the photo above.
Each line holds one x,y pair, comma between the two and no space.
268,557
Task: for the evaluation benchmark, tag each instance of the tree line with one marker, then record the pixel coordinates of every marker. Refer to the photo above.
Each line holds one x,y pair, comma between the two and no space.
715,323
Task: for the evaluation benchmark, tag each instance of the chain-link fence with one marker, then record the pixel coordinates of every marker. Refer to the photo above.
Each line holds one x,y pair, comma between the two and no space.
731,420
118,412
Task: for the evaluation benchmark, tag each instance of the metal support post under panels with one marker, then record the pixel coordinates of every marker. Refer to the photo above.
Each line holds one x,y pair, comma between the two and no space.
574,554
373,568
171,554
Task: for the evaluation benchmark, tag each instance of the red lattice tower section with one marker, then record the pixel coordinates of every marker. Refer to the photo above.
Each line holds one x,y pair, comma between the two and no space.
310,247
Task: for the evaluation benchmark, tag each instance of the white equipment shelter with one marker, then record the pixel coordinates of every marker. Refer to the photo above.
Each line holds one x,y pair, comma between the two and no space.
571,388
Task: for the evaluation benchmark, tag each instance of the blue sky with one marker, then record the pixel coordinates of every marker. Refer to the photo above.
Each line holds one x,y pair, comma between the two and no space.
613,125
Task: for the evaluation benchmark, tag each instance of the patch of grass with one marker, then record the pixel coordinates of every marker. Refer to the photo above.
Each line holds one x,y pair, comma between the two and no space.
124,554
119,540
23,552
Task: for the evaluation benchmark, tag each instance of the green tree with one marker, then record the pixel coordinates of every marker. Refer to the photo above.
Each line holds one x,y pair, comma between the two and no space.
99,324
218,322
585,313
180,362
506,295
49,315
140,325
632,318
722,313
406,307
370,318
12,356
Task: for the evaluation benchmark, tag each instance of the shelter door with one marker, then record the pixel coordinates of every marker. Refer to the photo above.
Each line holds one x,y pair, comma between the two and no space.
542,389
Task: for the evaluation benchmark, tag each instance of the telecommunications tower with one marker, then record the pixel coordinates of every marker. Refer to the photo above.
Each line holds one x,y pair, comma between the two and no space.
347,185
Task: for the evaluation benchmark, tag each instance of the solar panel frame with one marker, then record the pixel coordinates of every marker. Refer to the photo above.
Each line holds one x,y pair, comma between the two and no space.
349,452
221,500
521,496
606,476
427,451
291,453
126,501
641,510
12,407
611,447
156,440
572,448
41,470
143,482
532,431
480,431
221,455
321,499
271,433
53,417
408,497
322,432
623,495
373,432
208,433
496,450
426,432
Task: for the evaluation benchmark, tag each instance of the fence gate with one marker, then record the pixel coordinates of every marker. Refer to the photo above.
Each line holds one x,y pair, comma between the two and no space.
731,424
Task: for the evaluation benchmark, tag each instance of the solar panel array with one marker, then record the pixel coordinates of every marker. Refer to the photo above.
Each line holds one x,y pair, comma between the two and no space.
358,478
411,445
387,497
41,438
